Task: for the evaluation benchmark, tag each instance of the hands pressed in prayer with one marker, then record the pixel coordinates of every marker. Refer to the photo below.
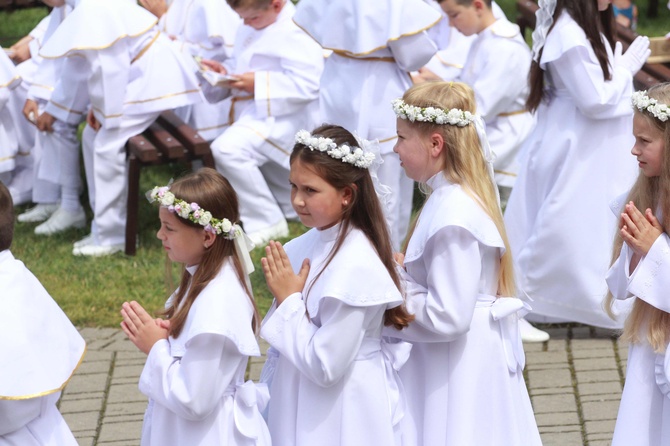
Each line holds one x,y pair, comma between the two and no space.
142,329
281,279
639,231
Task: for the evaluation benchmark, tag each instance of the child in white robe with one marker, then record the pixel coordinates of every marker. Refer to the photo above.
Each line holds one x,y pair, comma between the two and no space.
497,57
375,45
277,67
131,72
205,29
40,350
574,162
467,358
197,357
333,379
24,53
641,273
57,181
9,80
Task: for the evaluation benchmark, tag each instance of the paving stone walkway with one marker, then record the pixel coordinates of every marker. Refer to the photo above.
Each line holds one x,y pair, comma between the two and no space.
575,382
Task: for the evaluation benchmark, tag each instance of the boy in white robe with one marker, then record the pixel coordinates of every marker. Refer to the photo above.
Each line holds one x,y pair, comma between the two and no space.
9,80
204,29
369,68
24,53
496,68
278,67
57,181
131,72
39,351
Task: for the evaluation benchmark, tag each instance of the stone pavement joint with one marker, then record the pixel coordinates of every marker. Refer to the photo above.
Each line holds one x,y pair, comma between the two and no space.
574,380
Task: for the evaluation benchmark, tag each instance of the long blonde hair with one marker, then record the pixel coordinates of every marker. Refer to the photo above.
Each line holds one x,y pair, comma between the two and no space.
649,193
463,161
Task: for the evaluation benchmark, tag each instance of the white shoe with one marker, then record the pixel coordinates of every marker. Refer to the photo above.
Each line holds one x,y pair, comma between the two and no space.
530,333
92,250
62,220
88,240
263,236
39,213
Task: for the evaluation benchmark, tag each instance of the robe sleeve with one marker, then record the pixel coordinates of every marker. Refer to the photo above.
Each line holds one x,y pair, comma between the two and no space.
192,386
443,311
69,100
323,354
650,281
16,414
593,96
413,52
618,275
490,98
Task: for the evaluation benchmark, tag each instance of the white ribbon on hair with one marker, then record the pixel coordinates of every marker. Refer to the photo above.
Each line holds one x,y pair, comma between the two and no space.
243,245
544,17
489,156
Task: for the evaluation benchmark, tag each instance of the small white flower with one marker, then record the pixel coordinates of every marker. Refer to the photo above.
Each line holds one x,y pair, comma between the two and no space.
226,225
205,218
167,199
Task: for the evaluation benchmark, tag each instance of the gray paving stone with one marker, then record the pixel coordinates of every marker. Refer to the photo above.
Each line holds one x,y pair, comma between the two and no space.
598,388
557,419
601,428
562,439
125,393
550,378
554,403
586,364
594,376
600,410
126,431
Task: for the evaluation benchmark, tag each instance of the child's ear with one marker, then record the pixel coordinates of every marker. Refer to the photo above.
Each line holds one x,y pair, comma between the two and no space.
208,239
348,195
436,144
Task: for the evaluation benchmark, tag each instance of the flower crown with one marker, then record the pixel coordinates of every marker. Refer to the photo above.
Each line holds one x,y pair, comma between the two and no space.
644,103
193,212
454,116
352,155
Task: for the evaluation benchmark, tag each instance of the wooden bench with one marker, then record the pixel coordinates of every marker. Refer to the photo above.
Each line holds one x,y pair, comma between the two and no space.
167,140
650,74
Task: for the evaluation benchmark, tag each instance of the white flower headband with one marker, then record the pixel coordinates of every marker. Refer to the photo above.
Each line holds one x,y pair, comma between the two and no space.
193,212
644,103
352,155
454,116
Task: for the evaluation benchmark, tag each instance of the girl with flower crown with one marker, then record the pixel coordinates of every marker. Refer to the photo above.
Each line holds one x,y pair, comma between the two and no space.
197,357
333,378
574,162
640,272
467,359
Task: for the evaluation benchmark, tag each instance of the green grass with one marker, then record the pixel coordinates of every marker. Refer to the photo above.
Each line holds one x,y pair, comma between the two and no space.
16,24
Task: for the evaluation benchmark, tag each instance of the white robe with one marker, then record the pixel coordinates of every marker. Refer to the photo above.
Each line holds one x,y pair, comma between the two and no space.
467,359
452,46
195,382
499,57
40,352
132,72
204,28
253,150
375,45
333,379
9,143
644,411
575,161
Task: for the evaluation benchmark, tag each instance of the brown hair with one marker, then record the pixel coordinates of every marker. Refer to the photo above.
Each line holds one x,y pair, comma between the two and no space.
6,218
214,193
649,193
594,23
363,212
253,4
463,161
